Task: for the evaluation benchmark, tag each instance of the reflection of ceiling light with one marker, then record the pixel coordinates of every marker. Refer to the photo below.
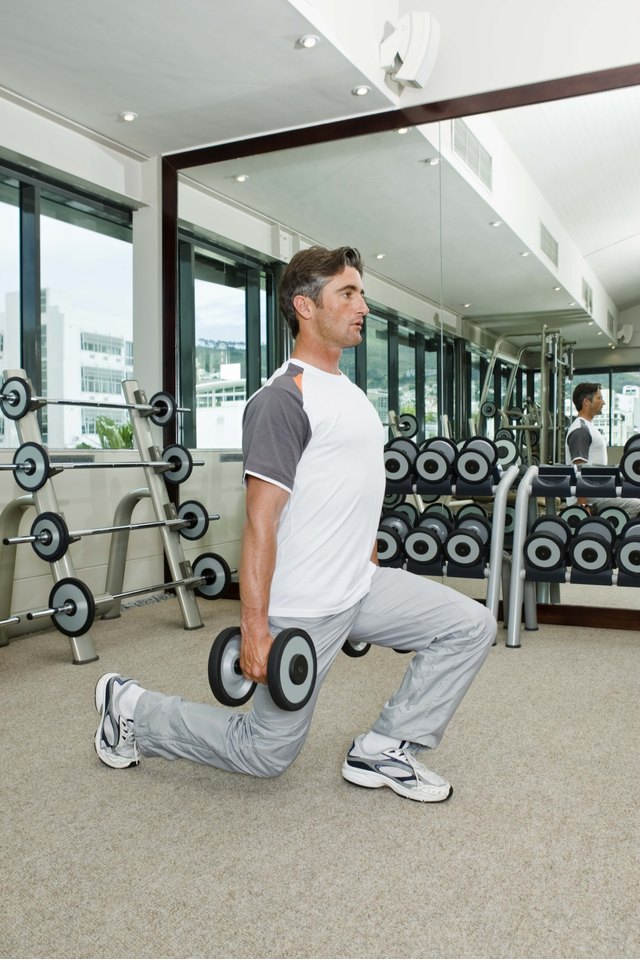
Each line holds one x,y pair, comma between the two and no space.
128,116
590,324
524,253
496,223
557,289
361,91
599,333
402,130
242,177
431,161
308,41
467,305
380,256
572,303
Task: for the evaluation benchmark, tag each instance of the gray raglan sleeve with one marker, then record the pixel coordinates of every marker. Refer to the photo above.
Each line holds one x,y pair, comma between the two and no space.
579,441
275,432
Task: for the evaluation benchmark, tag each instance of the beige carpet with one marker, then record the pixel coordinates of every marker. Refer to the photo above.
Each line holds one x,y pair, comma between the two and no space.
535,855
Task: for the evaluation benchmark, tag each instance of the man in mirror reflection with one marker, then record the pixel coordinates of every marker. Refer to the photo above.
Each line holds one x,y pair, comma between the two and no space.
585,444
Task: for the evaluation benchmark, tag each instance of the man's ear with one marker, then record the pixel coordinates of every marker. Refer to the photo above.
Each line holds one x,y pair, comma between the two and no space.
301,306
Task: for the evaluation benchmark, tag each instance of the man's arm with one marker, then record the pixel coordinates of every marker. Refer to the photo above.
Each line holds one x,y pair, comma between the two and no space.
264,505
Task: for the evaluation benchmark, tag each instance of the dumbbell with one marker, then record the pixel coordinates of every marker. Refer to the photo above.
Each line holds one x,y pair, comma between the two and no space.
291,669
407,425
545,548
616,516
480,525
464,548
627,550
591,547
399,459
475,460
574,514
471,510
434,461
392,530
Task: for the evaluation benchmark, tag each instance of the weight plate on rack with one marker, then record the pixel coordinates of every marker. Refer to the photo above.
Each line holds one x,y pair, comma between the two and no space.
216,573
484,445
228,685
472,466
16,398
182,462
397,466
628,556
471,510
34,467
81,612
408,510
423,546
396,521
165,411
488,409
407,425
432,466
630,465
52,536
193,512
616,516
590,554
544,551
388,545
554,525
479,525
464,548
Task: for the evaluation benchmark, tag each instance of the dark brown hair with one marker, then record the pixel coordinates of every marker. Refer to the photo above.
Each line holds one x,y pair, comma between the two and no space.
307,273
584,391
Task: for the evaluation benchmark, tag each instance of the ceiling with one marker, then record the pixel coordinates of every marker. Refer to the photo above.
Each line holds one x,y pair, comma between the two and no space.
206,71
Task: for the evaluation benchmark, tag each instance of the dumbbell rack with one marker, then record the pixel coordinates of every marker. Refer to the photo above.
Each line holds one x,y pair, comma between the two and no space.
496,486
45,500
551,482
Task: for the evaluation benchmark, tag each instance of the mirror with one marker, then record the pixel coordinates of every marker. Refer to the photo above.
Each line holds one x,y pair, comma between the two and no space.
558,179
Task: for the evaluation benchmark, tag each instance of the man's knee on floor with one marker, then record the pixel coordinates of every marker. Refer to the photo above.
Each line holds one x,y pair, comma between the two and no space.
486,626
270,762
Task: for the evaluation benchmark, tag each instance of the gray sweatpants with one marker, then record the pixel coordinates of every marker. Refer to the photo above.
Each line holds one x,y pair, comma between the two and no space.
450,634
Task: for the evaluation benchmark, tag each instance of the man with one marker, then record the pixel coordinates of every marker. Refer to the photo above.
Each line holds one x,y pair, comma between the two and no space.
314,476
584,444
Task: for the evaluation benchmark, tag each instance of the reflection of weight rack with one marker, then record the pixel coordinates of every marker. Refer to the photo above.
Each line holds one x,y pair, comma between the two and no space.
545,555
440,469
43,498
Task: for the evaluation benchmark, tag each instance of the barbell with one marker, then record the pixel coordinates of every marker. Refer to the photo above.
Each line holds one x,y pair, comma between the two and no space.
72,606
51,538
17,399
291,669
32,466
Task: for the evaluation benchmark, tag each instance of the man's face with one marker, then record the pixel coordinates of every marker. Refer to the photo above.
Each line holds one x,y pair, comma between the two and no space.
339,317
595,404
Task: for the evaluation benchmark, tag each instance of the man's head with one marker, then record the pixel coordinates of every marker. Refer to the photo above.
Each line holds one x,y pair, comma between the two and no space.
307,274
587,398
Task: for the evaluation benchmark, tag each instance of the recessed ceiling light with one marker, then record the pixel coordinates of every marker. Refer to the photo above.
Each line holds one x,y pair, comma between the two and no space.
599,333
557,289
467,305
128,116
496,223
524,253
403,130
242,177
308,41
380,256
361,90
590,324
572,303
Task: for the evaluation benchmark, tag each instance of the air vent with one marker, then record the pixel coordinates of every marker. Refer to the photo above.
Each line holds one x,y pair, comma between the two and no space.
610,322
548,244
587,296
469,148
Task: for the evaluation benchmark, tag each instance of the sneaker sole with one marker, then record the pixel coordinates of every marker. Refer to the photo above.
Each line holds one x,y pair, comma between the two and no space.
116,763
374,781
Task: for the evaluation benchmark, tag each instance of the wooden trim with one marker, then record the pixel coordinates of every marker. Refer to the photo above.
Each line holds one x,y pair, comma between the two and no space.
489,102
573,615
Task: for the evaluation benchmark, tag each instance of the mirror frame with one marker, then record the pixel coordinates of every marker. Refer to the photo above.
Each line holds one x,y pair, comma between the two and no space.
489,102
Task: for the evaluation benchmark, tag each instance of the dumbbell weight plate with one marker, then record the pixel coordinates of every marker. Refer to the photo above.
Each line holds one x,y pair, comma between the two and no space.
471,510
36,473
630,465
407,425
432,466
595,525
554,525
408,447
423,546
504,433
388,545
166,411
396,521
438,510
397,466
628,555
544,551
574,514
55,543
472,466
227,683
217,575
353,648
488,409
195,514
616,516
182,463
16,400
291,669
392,500
80,617
408,510
464,547
479,525
437,524
508,452
633,443
509,520
590,554
484,445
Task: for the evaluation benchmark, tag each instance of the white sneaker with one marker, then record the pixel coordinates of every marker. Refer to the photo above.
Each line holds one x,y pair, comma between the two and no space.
115,742
398,769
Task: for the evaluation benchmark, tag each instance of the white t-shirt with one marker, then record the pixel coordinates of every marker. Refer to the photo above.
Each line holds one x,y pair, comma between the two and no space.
585,442
316,435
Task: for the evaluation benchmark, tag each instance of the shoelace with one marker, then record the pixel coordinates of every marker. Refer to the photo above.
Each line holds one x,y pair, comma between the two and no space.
420,771
127,738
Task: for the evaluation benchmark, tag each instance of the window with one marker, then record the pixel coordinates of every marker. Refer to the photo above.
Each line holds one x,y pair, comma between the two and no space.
9,290
377,352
